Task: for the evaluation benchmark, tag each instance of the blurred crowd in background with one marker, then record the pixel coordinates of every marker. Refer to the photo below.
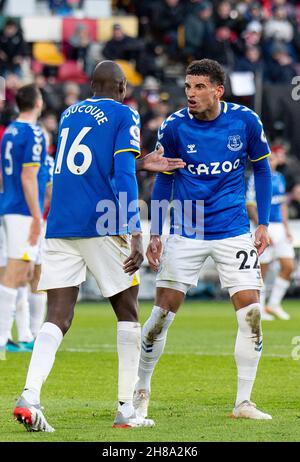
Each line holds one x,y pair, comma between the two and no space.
260,39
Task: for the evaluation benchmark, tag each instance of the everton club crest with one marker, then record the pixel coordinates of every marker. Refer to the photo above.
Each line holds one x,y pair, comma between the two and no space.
234,143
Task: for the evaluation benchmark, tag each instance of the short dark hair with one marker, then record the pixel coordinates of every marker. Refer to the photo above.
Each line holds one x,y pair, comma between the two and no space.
208,67
27,97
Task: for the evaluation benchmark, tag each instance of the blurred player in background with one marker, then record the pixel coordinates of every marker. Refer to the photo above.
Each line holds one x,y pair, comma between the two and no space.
280,248
99,140
215,140
37,299
23,162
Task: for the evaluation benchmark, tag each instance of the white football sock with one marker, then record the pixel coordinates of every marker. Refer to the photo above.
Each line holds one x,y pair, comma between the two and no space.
248,349
280,286
8,299
22,316
38,306
42,360
154,337
129,347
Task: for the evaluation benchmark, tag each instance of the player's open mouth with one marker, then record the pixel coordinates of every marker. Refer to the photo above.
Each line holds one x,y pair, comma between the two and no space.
192,104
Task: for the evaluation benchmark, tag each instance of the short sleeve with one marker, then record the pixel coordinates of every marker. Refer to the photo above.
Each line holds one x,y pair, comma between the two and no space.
258,147
128,132
165,139
35,146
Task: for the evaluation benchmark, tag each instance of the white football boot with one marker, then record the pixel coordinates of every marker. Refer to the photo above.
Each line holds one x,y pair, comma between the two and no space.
248,410
31,416
278,312
132,421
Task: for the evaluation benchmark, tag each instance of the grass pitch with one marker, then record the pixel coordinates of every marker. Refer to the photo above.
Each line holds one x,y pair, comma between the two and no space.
193,387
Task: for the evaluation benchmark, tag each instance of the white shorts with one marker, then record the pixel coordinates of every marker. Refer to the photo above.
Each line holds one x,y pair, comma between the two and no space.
3,257
281,247
65,261
235,257
17,228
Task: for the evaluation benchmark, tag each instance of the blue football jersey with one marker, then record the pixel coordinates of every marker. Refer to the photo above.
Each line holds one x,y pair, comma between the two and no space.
23,144
91,133
216,154
278,196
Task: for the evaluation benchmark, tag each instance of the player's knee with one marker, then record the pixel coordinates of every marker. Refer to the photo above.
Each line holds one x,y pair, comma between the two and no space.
63,324
62,320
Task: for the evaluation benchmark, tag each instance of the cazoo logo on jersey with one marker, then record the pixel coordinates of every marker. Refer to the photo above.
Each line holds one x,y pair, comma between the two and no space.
214,168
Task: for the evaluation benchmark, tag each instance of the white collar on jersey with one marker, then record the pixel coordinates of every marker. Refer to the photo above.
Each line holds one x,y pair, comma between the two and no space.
100,99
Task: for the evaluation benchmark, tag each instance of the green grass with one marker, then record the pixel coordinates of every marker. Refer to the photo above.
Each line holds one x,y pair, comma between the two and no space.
193,387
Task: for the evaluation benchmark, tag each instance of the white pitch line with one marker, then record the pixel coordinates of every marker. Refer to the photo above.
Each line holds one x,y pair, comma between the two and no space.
112,349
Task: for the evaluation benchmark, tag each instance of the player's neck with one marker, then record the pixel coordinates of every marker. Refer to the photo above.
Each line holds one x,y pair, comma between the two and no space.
28,117
211,114
105,96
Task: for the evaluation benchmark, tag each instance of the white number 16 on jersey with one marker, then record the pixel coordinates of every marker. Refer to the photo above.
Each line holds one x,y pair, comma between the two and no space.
75,149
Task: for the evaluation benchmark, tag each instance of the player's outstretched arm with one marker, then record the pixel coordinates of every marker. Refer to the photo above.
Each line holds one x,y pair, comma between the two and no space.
155,162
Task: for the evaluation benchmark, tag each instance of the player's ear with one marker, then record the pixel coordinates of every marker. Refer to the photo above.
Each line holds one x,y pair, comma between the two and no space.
220,91
122,87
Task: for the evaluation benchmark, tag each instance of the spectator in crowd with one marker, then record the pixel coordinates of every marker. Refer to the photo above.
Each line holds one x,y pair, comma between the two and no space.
13,48
121,46
51,97
50,123
279,29
167,17
130,99
251,61
280,69
252,35
71,95
294,204
138,51
80,43
254,12
222,15
199,28
221,47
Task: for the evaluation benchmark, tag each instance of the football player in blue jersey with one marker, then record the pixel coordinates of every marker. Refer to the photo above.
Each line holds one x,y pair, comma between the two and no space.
281,247
91,226
2,239
38,300
215,139
23,153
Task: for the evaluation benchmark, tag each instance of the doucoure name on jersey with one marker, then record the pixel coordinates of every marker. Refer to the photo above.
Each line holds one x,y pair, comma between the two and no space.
94,111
